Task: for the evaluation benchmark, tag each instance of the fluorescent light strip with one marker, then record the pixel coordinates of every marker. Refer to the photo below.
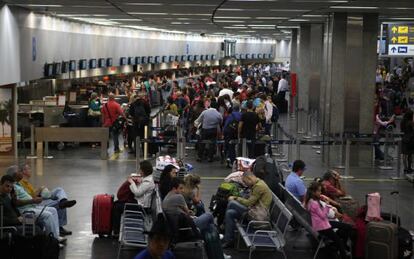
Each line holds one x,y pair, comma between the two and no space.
353,7
155,4
299,20
271,18
232,17
231,21
261,25
126,20
41,5
288,10
139,13
212,5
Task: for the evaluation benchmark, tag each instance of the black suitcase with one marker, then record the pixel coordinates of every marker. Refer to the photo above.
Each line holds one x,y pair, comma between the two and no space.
405,244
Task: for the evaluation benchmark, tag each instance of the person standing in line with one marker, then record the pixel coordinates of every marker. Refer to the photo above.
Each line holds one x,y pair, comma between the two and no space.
283,87
110,113
407,127
140,113
248,125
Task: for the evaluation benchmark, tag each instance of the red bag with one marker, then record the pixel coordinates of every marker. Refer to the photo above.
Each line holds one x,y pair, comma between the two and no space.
101,214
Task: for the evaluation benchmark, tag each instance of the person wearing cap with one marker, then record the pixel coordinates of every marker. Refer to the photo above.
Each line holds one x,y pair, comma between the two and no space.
110,113
56,198
230,133
47,216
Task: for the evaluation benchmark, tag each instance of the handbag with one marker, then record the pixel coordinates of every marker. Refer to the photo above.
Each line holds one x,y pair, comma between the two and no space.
259,213
93,113
118,124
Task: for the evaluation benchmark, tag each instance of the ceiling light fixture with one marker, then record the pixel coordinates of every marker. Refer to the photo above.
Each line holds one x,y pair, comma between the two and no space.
353,7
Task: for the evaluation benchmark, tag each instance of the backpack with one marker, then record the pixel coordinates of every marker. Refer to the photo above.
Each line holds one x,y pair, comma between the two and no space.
275,114
231,129
140,117
266,169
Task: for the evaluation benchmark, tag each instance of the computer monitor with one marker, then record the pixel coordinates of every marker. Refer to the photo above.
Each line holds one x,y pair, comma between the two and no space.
72,65
213,57
247,56
131,61
57,68
259,56
137,60
65,66
207,57
92,63
109,62
150,59
157,59
171,58
196,58
183,58
123,61
201,57
144,60
164,59
254,56
48,72
101,63
82,64
190,58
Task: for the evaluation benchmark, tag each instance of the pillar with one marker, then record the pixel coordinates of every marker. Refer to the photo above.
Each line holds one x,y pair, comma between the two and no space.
315,68
294,51
304,66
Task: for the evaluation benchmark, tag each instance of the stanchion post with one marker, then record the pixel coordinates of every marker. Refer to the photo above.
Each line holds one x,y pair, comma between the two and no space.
385,166
398,177
347,160
298,148
137,152
244,147
146,143
32,142
47,151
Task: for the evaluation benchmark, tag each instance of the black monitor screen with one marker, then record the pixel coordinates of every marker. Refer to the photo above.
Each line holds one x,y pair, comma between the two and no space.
57,68
137,60
109,62
183,58
171,58
92,63
82,64
101,63
213,57
122,61
164,59
144,60
177,58
150,59
48,70
72,65
65,67
131,61
196,57
157,59
201,57
207,57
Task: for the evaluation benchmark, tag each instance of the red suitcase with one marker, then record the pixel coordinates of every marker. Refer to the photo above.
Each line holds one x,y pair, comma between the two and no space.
101,214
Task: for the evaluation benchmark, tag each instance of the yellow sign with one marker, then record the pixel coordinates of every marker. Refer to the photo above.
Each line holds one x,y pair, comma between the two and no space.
403,29
403,39
394,29
394,39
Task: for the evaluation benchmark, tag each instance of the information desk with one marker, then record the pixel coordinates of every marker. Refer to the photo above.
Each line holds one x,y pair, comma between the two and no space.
56,134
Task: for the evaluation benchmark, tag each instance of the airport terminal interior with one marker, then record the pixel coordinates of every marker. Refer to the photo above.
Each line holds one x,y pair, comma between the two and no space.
265,107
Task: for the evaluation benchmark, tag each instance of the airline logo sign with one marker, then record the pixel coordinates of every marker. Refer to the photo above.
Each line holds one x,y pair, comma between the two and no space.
401,39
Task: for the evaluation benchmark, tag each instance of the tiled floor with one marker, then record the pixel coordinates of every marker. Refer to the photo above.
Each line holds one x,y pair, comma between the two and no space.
82,174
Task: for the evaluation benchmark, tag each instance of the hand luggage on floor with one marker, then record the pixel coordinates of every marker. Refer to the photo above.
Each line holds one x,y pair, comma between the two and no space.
381,240
101,214
190,250
405,244
213,245
219,201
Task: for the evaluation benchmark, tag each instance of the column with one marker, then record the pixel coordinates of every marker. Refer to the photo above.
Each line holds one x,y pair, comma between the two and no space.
369,64
304,66
294,51
315,68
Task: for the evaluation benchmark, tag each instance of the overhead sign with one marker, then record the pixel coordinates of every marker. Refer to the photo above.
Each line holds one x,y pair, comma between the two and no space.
401,39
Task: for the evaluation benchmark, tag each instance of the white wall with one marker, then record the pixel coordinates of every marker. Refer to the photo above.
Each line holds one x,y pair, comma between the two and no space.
60,40
282,50
9,47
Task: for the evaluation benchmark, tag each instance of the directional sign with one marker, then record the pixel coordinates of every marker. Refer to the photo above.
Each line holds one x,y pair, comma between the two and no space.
401,39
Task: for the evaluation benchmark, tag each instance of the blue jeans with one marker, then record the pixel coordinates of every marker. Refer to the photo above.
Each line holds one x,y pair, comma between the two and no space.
57,195
204,222
115,137
234,211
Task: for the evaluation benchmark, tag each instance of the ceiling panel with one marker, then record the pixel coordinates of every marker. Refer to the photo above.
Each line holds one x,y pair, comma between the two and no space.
256,18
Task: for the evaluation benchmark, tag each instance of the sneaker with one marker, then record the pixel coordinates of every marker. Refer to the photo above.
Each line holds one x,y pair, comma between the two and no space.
61,240
221,236
226,256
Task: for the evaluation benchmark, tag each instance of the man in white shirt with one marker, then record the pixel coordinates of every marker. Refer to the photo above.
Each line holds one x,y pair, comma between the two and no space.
239,79
225,91
282,88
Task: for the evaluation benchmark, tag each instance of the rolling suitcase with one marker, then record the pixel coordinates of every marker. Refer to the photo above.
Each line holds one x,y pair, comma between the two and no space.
101,214
213,245
381,240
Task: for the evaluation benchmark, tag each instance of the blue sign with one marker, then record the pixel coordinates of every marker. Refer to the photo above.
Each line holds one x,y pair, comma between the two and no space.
187,49
403,49
34,52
